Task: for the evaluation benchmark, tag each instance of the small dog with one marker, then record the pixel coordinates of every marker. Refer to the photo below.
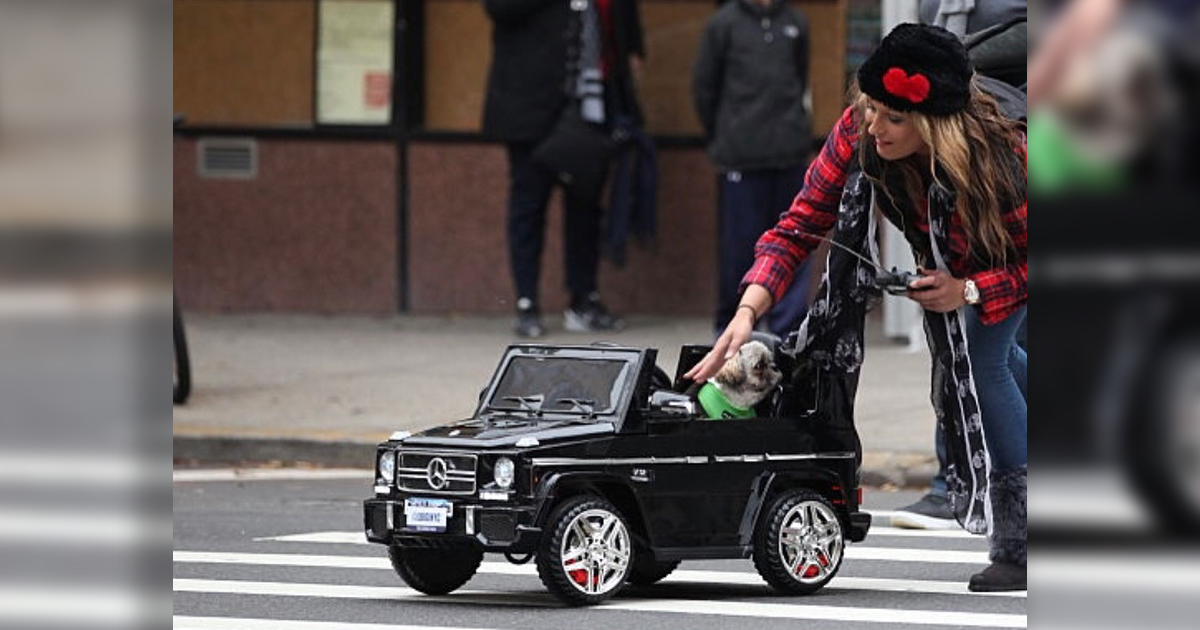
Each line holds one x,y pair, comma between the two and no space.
744,380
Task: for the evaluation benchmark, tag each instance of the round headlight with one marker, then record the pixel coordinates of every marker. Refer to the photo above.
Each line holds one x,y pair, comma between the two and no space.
387,465
503,472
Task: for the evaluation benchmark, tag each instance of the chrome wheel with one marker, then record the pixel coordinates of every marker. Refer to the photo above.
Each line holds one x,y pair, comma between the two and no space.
810,542
595,552
799,542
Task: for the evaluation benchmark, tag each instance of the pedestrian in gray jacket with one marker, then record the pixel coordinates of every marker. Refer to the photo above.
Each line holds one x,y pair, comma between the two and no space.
748,87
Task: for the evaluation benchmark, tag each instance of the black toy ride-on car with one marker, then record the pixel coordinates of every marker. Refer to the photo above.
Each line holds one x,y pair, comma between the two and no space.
591,461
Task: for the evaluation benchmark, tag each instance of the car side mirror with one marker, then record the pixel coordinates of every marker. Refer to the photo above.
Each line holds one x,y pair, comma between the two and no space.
672,403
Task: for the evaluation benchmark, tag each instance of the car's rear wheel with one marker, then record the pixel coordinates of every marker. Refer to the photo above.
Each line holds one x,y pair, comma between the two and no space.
435,571
1163,443
586,554
645,571
799,543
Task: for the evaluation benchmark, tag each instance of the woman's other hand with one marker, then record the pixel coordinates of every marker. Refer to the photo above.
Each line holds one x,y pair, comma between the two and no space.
755,302
736,333
937,291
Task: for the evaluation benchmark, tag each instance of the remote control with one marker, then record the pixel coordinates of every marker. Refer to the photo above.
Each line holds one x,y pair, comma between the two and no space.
895,281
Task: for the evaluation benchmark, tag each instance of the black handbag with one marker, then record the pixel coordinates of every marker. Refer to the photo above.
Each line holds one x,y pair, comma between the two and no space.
576,151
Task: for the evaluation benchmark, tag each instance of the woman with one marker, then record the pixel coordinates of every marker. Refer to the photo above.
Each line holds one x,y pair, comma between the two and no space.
933,153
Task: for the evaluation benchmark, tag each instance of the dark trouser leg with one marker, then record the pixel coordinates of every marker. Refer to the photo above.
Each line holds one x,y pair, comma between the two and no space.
740,193
786,315
528,192
581,238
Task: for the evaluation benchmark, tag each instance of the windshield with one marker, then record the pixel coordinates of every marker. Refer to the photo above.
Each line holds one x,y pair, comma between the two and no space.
545,384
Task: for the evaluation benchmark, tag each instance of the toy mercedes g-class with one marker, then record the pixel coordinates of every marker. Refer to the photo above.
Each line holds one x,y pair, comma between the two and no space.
590,460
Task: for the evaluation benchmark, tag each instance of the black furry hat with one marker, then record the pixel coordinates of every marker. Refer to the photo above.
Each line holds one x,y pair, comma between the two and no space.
918,68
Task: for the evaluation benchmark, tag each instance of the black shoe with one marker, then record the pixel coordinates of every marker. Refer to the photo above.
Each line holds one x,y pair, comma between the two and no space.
931,512
999,576
591,316
529,321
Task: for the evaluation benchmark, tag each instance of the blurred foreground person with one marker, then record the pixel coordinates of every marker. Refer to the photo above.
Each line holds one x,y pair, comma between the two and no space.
916,143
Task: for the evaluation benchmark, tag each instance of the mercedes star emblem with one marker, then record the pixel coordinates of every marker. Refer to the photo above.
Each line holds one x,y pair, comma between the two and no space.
436,473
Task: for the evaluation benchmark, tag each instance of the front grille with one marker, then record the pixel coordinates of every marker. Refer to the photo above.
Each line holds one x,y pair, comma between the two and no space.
436,473
497,527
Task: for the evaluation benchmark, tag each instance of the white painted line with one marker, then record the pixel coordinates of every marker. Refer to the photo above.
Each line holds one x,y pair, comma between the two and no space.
241,623
75,469
505,568
845,614
82,527
269,474
893,554
355,538
883,530
1126,574
59,605
938,556
351,537
1086,498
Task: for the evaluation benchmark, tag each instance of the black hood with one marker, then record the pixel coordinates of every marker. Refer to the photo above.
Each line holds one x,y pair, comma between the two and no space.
504,430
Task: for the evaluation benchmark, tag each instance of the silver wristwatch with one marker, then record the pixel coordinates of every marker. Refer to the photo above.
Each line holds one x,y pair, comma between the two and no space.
970,292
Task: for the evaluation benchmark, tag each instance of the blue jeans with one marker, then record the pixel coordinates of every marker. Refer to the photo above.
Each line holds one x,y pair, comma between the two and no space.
1001,369
751,202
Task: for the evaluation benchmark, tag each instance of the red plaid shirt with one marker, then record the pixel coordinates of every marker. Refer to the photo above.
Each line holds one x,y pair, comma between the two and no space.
781,249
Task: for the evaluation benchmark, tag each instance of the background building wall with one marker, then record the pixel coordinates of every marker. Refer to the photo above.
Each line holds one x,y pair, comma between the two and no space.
315,231
413,214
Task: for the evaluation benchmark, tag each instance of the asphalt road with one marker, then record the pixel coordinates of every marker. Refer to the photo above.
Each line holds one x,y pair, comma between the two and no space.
289,555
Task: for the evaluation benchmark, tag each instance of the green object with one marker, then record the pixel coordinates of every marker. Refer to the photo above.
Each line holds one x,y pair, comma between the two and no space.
718,407
1057,165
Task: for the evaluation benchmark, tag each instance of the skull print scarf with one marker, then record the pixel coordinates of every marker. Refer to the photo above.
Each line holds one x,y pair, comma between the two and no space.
831,337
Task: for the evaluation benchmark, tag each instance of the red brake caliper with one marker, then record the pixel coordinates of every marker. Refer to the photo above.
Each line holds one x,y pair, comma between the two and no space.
812,570
579,576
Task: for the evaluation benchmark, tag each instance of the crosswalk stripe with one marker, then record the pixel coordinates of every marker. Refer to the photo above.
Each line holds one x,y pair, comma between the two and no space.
504,568
856,552
876,532
843,614
241,623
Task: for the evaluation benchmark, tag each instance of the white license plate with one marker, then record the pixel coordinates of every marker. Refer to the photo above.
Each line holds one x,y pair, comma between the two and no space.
426,515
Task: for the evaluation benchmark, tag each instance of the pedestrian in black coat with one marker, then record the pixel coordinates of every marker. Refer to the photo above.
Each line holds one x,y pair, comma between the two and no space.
539,47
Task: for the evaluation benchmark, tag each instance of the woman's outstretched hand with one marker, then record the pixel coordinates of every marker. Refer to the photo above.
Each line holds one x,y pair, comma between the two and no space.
736,333
937,291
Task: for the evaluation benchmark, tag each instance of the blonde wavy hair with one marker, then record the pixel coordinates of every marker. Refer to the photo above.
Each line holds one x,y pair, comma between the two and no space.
976,150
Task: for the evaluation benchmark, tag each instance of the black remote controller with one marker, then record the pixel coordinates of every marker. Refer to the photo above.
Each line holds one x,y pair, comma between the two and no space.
895,281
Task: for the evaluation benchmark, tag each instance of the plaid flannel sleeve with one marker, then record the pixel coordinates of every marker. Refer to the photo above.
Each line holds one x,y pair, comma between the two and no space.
1003,290
781,250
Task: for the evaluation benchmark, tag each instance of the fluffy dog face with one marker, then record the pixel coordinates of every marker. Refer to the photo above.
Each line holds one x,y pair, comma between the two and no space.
747,377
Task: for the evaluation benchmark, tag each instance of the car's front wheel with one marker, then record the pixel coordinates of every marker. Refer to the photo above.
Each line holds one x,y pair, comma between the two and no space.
586,553
435,571
799,544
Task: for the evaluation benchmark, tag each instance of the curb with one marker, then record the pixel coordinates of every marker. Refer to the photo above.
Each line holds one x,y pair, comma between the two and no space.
192,452
879,470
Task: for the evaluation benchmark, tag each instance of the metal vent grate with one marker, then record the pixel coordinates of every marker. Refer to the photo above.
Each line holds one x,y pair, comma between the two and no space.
498,527
228,157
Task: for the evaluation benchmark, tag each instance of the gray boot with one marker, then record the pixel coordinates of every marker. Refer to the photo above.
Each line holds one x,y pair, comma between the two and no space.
1008,552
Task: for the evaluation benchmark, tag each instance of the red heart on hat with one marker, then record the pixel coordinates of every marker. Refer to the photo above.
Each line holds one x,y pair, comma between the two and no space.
913,88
